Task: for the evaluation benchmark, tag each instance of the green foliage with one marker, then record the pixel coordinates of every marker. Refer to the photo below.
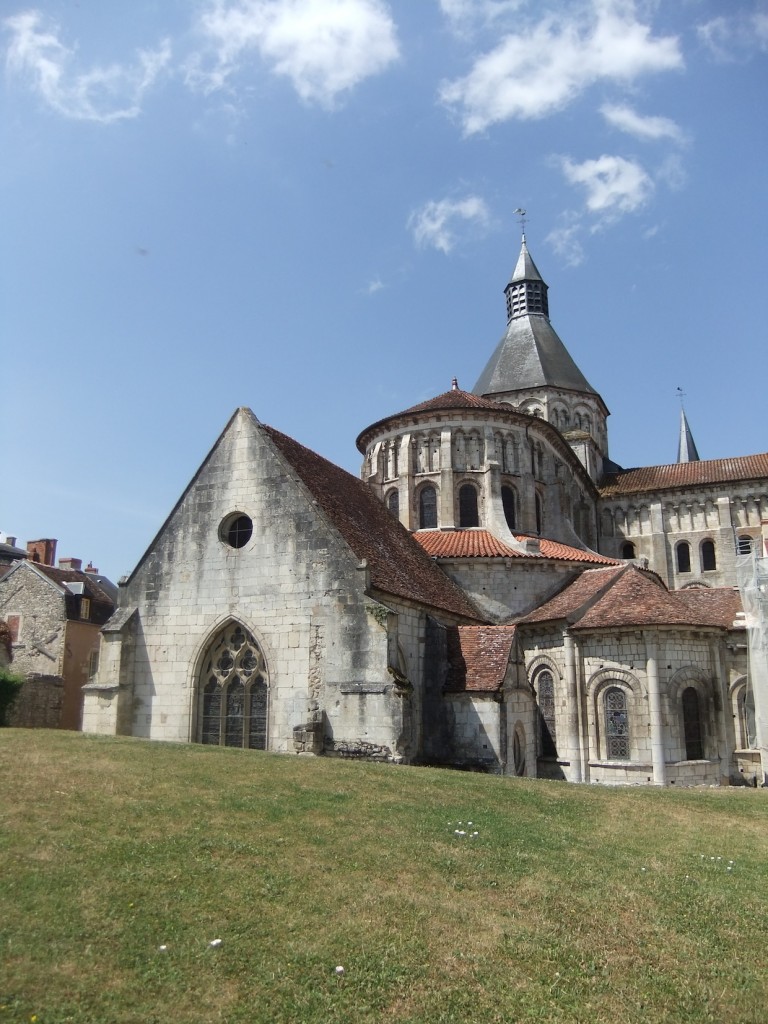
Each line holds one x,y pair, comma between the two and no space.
9,691
571,905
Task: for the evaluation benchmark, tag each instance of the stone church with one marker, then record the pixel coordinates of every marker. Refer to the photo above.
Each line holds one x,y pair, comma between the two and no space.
493,594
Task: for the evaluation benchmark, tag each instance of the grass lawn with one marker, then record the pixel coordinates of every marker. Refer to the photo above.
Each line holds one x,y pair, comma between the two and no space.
122,860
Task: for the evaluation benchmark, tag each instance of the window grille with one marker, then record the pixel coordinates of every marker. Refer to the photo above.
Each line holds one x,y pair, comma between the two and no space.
616,724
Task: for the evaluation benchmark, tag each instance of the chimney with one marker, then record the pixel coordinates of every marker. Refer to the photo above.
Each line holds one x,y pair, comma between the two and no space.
42,551
11,541
71,563
91,569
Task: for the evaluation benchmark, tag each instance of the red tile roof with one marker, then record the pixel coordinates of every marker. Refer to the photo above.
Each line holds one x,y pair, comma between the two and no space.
397,565
449,401
628,596
478,657
684,474
482,544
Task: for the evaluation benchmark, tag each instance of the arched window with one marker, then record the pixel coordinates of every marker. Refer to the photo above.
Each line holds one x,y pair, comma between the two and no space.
427,508
508,503
616,724
745,709
744,544
708,558
545,686
468,515
539,515
683,552
393,504
232,709
628,550
694,747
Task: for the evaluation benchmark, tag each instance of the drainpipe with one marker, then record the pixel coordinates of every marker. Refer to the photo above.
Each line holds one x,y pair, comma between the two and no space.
571,680
654,702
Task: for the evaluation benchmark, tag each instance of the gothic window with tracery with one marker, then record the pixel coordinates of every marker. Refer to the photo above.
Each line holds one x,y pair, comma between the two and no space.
545,686
232,711
616,724
393,504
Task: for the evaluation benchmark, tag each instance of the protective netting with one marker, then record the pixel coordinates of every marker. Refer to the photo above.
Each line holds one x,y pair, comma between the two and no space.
752,577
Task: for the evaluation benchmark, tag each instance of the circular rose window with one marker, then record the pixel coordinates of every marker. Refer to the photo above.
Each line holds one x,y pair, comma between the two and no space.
236,530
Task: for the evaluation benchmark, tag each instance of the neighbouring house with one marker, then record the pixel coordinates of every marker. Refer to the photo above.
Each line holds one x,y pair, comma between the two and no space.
54,616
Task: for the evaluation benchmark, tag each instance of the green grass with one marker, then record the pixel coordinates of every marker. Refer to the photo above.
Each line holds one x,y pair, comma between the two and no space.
573,904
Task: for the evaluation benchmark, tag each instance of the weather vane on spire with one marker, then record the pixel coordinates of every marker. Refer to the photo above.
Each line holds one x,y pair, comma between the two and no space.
681,395
521,213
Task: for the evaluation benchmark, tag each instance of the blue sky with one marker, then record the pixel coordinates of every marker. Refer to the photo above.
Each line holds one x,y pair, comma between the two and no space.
307,207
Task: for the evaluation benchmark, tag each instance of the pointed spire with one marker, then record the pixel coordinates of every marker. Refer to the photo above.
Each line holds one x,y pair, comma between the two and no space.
526,292
686,449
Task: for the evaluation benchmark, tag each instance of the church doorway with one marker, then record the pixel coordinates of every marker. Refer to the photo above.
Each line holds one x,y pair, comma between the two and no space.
233,692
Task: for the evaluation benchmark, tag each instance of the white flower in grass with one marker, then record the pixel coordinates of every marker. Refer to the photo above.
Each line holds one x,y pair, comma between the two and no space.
339,971
162,948
215,943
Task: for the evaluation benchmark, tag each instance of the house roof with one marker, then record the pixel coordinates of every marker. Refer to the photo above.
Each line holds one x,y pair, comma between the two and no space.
397,565
478,657
475,543
684,474
102,604
628,596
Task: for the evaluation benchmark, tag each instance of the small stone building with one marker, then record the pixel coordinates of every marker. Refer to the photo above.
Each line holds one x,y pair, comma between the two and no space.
495,593
54,617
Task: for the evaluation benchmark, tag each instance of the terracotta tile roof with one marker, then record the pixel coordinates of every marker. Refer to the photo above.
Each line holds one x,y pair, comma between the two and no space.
628,596
478,657
482,544
717,606
684,474
449,401
397,565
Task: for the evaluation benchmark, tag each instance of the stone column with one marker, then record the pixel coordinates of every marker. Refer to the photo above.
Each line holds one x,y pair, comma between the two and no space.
572,689
405,483
445,516
654,709
724,720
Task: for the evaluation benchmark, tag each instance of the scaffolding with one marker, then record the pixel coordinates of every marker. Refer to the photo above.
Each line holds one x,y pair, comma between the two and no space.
752,578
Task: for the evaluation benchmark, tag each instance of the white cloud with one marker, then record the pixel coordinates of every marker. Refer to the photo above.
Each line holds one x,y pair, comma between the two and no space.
103,94
642,127
325,47
565,242
374,286
736,36
436,223
541,70
613,185
465,14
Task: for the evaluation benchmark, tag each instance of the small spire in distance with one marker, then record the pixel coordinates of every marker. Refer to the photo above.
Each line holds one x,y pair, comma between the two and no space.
455,384
686,448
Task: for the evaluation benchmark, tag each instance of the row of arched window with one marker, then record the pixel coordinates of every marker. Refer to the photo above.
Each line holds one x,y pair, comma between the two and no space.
468,507
467,454
616,721
707,556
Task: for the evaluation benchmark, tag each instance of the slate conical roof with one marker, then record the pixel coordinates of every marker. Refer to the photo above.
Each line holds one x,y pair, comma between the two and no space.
686,449
530,354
